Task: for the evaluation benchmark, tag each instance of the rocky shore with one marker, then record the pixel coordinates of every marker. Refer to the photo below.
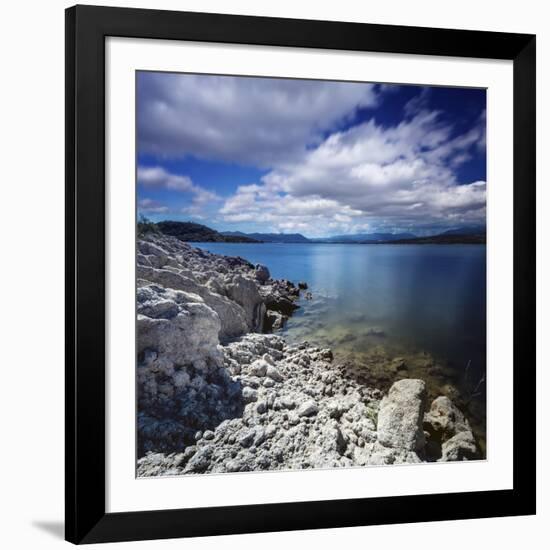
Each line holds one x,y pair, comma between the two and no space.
219,391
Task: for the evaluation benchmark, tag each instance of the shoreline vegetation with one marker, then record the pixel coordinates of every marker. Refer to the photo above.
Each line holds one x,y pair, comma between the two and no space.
219,390
194,232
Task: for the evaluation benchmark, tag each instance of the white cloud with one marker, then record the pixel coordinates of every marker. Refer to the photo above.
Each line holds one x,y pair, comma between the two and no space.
369,175
255,121
151,206
320,181
156,177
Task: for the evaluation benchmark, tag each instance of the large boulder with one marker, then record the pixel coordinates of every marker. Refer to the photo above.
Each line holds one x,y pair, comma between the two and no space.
244,292
400,415
233,318
176,324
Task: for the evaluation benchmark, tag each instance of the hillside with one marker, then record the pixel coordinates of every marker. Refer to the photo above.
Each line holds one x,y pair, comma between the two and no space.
195,232
469,230
269,237
446,238
366,238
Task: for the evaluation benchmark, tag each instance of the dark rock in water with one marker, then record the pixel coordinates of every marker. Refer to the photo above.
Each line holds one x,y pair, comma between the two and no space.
349,337
288,287
375,331
326,354
274,321
436,370
282,304
280,296
399,364
302,285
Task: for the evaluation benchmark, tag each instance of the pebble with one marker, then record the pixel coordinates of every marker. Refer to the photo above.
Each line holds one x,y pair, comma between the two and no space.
309,408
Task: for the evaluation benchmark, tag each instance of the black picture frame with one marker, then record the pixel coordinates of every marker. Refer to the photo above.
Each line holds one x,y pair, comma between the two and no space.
86,29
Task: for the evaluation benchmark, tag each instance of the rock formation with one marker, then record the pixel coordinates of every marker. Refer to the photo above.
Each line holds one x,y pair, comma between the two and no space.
216,393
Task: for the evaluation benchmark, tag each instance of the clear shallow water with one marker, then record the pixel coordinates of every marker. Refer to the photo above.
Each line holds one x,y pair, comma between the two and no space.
372,303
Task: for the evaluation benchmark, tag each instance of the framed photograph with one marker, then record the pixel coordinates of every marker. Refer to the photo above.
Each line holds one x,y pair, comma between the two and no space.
300,273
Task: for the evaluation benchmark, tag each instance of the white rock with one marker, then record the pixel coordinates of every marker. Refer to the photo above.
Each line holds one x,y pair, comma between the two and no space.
256,402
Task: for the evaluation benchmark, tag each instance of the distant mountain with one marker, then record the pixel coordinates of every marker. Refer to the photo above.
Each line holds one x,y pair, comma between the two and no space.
195,232
469,230
269,237
447,238
366,238
464,235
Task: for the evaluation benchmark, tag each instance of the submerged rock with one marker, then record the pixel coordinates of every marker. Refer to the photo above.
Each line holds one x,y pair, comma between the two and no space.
274,321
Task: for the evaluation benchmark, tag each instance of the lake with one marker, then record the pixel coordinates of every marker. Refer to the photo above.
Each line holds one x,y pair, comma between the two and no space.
373,303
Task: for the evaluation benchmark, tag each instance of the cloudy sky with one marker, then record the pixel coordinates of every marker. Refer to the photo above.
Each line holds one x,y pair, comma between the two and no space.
316,157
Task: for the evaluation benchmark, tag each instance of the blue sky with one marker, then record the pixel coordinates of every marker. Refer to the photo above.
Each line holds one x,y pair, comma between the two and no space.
316,157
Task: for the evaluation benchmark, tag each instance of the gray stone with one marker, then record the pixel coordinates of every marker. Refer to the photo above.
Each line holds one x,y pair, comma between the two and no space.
445,419
254,401
309,408
401,414
249,395
274,320
262,273
246,438
461,446
258,368
273,373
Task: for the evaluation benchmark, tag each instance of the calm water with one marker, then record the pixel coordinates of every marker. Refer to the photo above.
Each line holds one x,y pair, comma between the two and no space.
371,303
